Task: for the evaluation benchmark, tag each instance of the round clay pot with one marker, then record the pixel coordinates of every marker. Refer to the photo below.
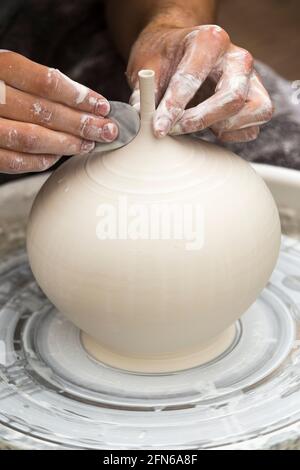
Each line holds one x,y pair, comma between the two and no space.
156,249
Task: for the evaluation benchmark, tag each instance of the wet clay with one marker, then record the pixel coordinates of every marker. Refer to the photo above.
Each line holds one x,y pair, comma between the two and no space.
156,249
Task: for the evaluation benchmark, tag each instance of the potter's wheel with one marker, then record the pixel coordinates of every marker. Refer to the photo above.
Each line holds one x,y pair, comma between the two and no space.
53,395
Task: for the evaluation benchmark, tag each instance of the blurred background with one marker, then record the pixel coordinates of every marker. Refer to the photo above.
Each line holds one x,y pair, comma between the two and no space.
269,29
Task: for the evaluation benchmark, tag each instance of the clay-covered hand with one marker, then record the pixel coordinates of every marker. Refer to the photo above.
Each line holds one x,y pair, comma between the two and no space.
44,115
202,81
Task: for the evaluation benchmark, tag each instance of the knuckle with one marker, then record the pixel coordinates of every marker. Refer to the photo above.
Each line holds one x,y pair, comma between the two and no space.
201,123
12,138
224,36
264,110
7,57
16,164
220,33
175,112
237,101
41,113
24,140
194,124
27,141
233,101
211,30
248,58
48,83
53,79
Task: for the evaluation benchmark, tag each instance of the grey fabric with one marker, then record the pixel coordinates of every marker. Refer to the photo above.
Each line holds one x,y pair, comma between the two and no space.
279,140
8,10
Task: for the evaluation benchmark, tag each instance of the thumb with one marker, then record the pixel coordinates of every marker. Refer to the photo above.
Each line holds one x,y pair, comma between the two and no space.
134,99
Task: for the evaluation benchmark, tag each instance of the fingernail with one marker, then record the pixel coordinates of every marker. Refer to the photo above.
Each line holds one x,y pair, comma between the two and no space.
109,132
47,162
162,126
87,146
102,107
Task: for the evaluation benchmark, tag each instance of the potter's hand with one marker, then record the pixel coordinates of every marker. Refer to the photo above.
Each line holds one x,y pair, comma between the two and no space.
44,115
200,69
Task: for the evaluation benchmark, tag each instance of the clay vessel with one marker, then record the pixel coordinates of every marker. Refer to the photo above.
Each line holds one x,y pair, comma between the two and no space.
156,249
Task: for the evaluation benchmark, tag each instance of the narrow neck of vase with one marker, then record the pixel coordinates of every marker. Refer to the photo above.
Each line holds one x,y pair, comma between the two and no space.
147,96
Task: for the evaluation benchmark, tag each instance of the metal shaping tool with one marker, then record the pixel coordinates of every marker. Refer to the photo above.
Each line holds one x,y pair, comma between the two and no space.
128,121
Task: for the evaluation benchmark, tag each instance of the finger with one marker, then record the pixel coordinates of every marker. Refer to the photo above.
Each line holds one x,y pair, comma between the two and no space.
230,96
257,111
30,138
27,108
203,48
26,75
243,135
17,162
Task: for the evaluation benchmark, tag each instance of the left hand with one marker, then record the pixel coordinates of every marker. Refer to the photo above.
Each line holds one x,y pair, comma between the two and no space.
202,81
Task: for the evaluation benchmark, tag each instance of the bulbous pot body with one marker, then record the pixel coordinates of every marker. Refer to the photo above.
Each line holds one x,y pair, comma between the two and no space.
154,250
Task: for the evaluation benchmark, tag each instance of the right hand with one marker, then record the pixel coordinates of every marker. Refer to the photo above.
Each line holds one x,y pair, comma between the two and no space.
44,115
203,81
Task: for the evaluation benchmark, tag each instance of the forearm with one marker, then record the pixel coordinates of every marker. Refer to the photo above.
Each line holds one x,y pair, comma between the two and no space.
126,19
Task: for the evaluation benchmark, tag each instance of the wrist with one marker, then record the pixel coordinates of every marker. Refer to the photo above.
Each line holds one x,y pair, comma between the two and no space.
174,19
176,16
